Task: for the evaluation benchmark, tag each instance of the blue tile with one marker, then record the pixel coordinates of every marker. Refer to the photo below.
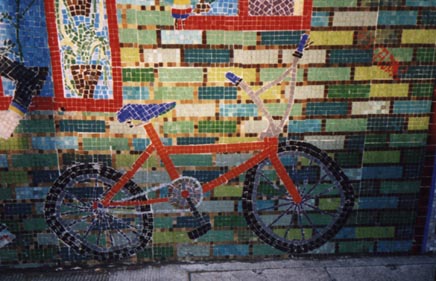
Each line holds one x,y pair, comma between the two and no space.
382,172
34,193
304,126
3,161
377,202
389,246
412,106
230,250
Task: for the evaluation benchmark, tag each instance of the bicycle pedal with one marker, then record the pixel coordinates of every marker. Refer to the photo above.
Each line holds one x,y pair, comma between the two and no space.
199,231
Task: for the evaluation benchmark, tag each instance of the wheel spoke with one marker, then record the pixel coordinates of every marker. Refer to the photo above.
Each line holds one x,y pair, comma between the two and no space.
314,186
271,182
280,216
319,210
274,206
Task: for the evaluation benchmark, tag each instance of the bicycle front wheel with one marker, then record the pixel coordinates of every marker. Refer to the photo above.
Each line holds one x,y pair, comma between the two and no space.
73,213
292,227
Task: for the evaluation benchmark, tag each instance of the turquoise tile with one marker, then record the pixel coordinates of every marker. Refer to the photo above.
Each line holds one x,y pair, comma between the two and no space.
421,3
238,110
230,250
206,56
136,93
327,108
320,19
304,126
397,17
217,93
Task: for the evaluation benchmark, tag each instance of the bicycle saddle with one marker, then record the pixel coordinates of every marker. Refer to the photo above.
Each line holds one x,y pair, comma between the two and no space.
143,112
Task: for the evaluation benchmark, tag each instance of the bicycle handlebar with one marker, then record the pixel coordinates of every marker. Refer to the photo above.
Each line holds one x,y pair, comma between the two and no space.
300,48
298,53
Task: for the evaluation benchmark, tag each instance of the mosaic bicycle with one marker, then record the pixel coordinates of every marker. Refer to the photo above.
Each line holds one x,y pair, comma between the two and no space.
295,197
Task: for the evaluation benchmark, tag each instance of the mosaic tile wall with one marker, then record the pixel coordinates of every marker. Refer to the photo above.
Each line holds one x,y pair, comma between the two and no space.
364,95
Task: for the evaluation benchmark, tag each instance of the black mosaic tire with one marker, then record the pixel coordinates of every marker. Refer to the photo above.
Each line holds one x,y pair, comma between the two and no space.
297,228
102,234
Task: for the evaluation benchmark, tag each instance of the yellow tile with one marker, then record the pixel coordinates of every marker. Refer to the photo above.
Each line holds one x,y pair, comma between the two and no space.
418,123
370,72
418,36
217,74
273,93
389,90
129,55
331,37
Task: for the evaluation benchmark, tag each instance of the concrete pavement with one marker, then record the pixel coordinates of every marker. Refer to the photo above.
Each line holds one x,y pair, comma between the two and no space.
392,268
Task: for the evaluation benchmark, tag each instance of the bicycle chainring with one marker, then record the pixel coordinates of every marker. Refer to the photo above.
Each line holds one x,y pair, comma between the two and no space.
181,186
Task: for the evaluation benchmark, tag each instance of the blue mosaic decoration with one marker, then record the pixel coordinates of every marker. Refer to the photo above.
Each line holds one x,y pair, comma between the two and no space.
143,112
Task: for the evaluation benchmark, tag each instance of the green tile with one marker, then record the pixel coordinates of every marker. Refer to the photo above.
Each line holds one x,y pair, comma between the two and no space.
278,109
164,222
379,157
346,125
329,74
218,37
376,141
128,35
408,140
356,247
170,237
174,93
34,160
229,221
392,187
413,155
349,91
375,232
192,160
14,144
14,177
138,75
227,191
181,74
426,55
97,126
35,224
8,255
36,126
148,18
147,37
266,250
5,192
178,127
348,158
157,253
217,127
105,144
397,217
422,90
270,74
217,236
334,3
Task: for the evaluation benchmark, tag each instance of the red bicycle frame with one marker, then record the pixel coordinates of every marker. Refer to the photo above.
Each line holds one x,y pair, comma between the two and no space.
267,148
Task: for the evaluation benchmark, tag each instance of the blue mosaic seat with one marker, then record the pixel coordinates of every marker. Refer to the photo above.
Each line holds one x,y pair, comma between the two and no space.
143,112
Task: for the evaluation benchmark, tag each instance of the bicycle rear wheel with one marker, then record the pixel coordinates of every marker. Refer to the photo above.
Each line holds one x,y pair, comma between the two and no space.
103,233
293,227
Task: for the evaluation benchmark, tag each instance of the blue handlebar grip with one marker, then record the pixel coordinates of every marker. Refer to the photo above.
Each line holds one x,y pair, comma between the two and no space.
303,41
233,78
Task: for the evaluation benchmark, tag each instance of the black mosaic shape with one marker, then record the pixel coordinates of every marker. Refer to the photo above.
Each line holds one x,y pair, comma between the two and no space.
62,215
260,190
